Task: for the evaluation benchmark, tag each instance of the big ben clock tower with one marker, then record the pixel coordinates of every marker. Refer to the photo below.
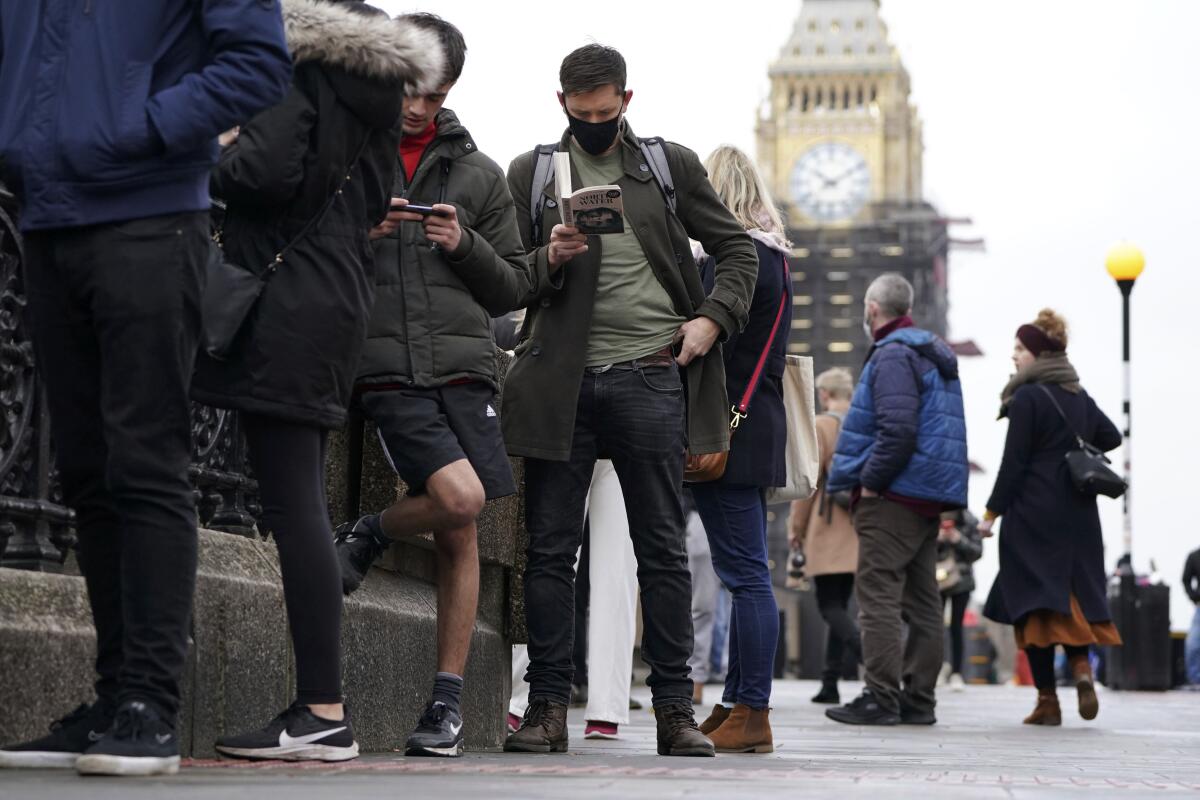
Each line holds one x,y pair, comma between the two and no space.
840,145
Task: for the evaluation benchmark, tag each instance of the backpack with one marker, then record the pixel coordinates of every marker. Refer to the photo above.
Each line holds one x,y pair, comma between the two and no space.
653,150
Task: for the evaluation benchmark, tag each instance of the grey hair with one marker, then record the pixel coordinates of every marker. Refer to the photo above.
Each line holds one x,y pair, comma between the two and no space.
837,381
893,293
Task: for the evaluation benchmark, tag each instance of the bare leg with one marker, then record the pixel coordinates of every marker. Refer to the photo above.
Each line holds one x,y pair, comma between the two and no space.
453,499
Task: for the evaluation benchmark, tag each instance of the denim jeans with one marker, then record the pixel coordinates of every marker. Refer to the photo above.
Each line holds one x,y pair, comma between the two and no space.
115,312
1191,650
735,518
633,416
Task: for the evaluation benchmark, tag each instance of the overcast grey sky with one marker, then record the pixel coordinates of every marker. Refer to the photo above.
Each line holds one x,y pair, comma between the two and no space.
1059,126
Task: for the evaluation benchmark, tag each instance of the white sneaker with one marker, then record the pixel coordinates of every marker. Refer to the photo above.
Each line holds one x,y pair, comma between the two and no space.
943,675
956,683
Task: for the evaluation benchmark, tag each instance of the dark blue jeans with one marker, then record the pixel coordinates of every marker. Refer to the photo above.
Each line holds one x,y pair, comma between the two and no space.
735,519
635,417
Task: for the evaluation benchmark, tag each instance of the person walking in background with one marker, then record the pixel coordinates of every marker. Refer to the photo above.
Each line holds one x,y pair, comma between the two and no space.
315,171
959,545
616,326
1191,645
427,377
115,216
1051,585
820,528
903,452
734,507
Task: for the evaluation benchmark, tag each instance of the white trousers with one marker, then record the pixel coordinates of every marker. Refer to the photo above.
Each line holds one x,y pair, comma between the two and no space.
612,617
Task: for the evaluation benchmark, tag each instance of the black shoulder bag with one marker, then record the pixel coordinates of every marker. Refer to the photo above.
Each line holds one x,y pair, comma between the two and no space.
1088,466
231,290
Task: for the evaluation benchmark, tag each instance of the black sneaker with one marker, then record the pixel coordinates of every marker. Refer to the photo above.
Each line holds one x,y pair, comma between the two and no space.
295,735
67,740
911,714
140,742
439,733
358,544
863,710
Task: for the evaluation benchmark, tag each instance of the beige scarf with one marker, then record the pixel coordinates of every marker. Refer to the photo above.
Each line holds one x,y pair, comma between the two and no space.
1050,367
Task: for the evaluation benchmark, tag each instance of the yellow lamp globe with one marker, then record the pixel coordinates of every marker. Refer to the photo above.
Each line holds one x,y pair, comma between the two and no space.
1125,262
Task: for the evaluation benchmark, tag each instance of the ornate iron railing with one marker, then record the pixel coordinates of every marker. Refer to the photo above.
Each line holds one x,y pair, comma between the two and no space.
36,528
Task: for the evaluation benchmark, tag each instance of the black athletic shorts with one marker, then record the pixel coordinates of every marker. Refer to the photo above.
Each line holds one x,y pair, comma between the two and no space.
423,430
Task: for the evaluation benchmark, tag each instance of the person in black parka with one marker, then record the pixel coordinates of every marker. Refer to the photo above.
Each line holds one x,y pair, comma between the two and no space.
326,153
1051,585
733,508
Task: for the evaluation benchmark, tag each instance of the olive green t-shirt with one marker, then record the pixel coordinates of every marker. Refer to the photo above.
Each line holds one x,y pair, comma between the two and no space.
632,315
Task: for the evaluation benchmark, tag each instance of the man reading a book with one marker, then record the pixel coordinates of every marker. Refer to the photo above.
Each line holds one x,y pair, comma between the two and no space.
618,325
428,373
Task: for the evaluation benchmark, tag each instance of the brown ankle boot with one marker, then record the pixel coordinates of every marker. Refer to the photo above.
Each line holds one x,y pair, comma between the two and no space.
1085,687
677,731
544,729
747,730
1047,710
718,716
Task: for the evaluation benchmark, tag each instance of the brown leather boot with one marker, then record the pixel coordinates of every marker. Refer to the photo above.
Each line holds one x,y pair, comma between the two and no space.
677,731
544,729
747,730
718,716
1085,687
1047,710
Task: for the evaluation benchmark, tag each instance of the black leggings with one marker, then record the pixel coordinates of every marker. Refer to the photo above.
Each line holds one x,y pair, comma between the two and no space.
958,608
1041,664
833,601
289,462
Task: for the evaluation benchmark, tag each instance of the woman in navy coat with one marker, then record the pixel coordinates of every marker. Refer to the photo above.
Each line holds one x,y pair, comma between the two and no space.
1051,586
734,509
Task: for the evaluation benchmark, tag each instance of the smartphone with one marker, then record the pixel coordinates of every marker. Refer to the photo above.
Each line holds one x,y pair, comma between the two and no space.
419,209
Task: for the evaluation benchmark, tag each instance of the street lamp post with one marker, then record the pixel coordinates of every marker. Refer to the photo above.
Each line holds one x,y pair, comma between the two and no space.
1125,263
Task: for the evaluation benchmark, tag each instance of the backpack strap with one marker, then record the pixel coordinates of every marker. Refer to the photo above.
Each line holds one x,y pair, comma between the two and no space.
543,173
655,152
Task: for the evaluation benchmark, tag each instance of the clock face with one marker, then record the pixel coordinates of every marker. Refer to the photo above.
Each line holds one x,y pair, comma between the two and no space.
830,182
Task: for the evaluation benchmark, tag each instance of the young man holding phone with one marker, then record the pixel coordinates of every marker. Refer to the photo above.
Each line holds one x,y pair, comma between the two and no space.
448,257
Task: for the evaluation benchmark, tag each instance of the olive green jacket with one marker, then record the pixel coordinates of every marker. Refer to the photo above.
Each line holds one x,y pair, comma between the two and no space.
541,390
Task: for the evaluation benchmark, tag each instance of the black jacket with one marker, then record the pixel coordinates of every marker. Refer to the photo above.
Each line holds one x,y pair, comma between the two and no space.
1050,539
296,359
1191,577
431,323
757,450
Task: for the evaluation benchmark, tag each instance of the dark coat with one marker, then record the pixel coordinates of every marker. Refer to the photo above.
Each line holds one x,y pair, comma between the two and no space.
1050,540
757,450
541,391
296,360
906,432
431,323
110,111
966,551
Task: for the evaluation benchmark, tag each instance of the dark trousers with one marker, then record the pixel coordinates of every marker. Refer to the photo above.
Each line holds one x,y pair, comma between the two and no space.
289,462
735,519
635,417
833,601
896,584
115,314
958,609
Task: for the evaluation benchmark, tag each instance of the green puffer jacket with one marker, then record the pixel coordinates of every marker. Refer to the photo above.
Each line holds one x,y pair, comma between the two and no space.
431,323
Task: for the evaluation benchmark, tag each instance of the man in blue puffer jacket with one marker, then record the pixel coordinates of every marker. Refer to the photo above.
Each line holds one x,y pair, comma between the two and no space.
109,116
903,452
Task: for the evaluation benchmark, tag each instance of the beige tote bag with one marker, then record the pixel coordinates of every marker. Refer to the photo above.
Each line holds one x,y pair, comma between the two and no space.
799,402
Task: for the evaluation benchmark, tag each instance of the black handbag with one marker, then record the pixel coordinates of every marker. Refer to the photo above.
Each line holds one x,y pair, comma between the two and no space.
231,290
1088,466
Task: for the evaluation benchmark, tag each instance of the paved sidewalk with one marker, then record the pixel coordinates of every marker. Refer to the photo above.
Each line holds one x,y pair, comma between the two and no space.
1141,745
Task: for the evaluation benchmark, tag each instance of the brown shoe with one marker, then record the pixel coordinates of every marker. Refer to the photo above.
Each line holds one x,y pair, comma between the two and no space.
718,716
1085,687
747,730
1047,710
543,730
677,731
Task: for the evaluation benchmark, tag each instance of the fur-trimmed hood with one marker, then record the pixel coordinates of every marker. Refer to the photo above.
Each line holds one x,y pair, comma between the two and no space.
370,46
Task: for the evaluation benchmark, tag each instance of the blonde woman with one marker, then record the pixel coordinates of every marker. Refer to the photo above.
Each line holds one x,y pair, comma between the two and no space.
734,509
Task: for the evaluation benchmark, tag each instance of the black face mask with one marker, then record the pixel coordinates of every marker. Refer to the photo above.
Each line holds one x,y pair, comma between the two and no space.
594,137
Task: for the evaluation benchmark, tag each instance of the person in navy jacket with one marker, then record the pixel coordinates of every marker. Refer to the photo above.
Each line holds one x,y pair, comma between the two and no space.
109,116
903,452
